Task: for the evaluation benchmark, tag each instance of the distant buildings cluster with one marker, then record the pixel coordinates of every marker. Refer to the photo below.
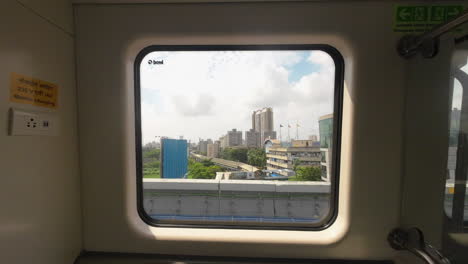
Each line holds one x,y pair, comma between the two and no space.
262,129
282,156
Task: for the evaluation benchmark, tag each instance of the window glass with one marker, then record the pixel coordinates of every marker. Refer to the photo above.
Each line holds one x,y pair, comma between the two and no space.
456,200
238,135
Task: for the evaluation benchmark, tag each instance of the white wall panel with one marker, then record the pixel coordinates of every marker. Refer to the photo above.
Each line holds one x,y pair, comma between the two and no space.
40,219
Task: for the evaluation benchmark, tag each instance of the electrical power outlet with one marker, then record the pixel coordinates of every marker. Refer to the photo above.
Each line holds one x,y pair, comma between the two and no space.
30,123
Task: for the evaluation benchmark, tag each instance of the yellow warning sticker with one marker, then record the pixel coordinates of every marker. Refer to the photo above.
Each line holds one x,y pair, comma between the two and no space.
28,90
451,190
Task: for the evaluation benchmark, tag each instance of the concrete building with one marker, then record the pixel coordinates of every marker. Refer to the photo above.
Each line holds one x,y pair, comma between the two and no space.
262,122
213,149
269,135
222,141
252,139
233,138
305,143
235,175
326,145
268,144
283,158
203,146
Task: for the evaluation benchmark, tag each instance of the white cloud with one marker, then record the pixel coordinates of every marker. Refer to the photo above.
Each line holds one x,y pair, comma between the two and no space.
323,59
203,105
205,94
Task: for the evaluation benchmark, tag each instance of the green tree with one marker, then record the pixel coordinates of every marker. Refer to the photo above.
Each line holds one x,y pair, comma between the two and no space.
308,174
198,171
205,169
151,170
235,154
153,164
207,162
256,157
151,153
296,164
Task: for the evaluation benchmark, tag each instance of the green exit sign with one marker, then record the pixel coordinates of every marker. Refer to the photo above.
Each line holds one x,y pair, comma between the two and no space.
412,13
420,18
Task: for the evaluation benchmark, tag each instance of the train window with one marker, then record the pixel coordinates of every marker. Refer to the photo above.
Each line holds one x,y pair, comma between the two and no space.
456,200
238,136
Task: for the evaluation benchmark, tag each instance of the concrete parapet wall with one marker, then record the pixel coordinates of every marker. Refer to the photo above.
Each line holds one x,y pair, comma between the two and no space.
236,198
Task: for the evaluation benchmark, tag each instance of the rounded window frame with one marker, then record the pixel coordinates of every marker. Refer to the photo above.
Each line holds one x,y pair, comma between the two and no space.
337,130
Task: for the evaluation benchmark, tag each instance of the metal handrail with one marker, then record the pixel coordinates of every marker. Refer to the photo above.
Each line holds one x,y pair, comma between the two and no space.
412,240
409,45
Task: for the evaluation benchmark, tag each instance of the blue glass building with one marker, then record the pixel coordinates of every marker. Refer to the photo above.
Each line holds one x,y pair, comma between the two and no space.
174,159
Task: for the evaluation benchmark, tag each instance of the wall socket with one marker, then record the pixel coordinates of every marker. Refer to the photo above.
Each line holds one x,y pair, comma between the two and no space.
32,123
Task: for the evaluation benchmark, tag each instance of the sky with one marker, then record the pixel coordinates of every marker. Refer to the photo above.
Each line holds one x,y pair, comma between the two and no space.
458,91
203,94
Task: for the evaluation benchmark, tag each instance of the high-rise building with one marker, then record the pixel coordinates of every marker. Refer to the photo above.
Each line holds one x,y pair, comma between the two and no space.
269,135
252,139
234,138
223,141
203,146
213,149
174,158
262,122
326,144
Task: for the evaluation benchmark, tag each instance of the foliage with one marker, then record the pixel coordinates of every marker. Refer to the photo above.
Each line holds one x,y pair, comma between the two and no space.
235,154
151,173
202,170
207,162
151,153
151,170
296,164
256,157
152,164
308,174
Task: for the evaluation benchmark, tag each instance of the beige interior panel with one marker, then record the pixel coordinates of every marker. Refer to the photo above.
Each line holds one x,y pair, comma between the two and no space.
39,190
108,40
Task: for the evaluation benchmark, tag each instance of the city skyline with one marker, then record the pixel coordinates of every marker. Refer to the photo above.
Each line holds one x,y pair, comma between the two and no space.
205,94
249,138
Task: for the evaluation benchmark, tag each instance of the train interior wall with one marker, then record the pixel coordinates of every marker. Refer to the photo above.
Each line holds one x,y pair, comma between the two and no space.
57,199
40,184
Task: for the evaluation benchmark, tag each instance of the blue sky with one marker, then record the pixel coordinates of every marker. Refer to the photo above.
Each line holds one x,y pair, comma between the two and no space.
302,68
205,94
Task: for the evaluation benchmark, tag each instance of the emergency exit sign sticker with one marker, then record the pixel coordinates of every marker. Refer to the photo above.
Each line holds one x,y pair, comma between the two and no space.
421,18
28,90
